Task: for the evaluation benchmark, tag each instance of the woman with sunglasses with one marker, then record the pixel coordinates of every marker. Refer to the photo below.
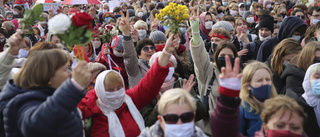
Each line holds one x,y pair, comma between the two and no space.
176,116
281,116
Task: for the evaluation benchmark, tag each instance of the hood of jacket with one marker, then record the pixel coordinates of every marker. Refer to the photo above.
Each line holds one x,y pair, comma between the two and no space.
288,26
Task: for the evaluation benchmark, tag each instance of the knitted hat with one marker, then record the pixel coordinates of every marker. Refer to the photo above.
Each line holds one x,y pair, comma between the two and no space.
16,24
157,36
266,21
117,43
7,13
223,24
246,14
172,60
131,12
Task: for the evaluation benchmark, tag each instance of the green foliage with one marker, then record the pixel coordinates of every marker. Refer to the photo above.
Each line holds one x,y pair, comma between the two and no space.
31,17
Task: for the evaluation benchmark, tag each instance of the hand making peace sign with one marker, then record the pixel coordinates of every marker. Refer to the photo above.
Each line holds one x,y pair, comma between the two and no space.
124,23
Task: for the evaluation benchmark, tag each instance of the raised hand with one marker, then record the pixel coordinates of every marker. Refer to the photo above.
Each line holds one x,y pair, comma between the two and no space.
194,15
16,42
124,23
172,43
228,71
243,52
81,74
134,34
188,85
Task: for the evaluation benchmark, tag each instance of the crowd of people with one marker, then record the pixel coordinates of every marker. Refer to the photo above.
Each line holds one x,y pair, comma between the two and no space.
235,68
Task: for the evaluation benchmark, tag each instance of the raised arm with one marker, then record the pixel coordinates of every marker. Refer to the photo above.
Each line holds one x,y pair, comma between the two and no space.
129,55
202,64
225,117
7,57
149,86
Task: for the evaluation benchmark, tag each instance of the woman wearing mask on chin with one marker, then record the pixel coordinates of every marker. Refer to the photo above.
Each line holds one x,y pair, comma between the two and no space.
112,57
115,111
281,116
206,23
207,71
142,28
177,110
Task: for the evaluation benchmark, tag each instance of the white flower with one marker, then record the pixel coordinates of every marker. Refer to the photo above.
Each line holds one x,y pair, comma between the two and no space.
59,24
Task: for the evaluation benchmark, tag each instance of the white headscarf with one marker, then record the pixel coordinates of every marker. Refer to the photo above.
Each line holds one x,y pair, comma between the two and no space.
310,98
115,127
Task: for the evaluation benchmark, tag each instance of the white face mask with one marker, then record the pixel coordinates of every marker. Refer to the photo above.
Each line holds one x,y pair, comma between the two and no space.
263,39
182,130
208,5
118,54
170,74
318,37
154,2
104,11
15,13
96,44
208,25
233,12
241,12
2,39
115,99
140,14
296,37
269,6
142,33
250,19
23,53
314,21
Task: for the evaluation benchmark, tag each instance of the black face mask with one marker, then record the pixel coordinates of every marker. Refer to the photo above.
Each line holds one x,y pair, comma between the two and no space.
221,62
316,61
275,22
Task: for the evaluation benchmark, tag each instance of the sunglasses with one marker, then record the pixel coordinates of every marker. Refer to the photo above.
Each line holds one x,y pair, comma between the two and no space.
146,49
173,118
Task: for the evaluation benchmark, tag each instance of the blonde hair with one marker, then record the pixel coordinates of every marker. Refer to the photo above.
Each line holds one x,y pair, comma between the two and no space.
307,55
140,23
281,103
176,96
46,63
285,47
246,79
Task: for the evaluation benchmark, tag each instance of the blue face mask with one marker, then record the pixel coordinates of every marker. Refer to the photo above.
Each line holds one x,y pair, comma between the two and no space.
261,93
249,3
224,3
296,37
107,19
166,27
183,30
315,86
117,16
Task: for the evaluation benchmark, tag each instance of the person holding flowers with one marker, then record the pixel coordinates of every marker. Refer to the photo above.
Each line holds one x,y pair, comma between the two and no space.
115,110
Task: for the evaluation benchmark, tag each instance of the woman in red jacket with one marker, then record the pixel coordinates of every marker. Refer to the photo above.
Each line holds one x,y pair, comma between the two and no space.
115,112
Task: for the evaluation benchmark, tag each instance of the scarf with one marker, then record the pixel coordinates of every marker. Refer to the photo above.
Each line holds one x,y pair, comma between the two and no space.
109,60
115,127
311,99
202,27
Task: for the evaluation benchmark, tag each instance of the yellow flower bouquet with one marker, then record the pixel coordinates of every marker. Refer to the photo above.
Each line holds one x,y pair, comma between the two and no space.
173,15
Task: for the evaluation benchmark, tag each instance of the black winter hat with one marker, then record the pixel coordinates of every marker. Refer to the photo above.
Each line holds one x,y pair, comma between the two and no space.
266,21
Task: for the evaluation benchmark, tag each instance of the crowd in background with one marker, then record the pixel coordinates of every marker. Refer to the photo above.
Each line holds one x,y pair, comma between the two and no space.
235,68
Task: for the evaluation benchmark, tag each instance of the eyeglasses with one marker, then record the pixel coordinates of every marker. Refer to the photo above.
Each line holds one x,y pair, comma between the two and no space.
146,49
301,17
173,118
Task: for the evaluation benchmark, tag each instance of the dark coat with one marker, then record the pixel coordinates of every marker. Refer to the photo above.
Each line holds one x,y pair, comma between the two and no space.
311,126
42,112
293,77
288,26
